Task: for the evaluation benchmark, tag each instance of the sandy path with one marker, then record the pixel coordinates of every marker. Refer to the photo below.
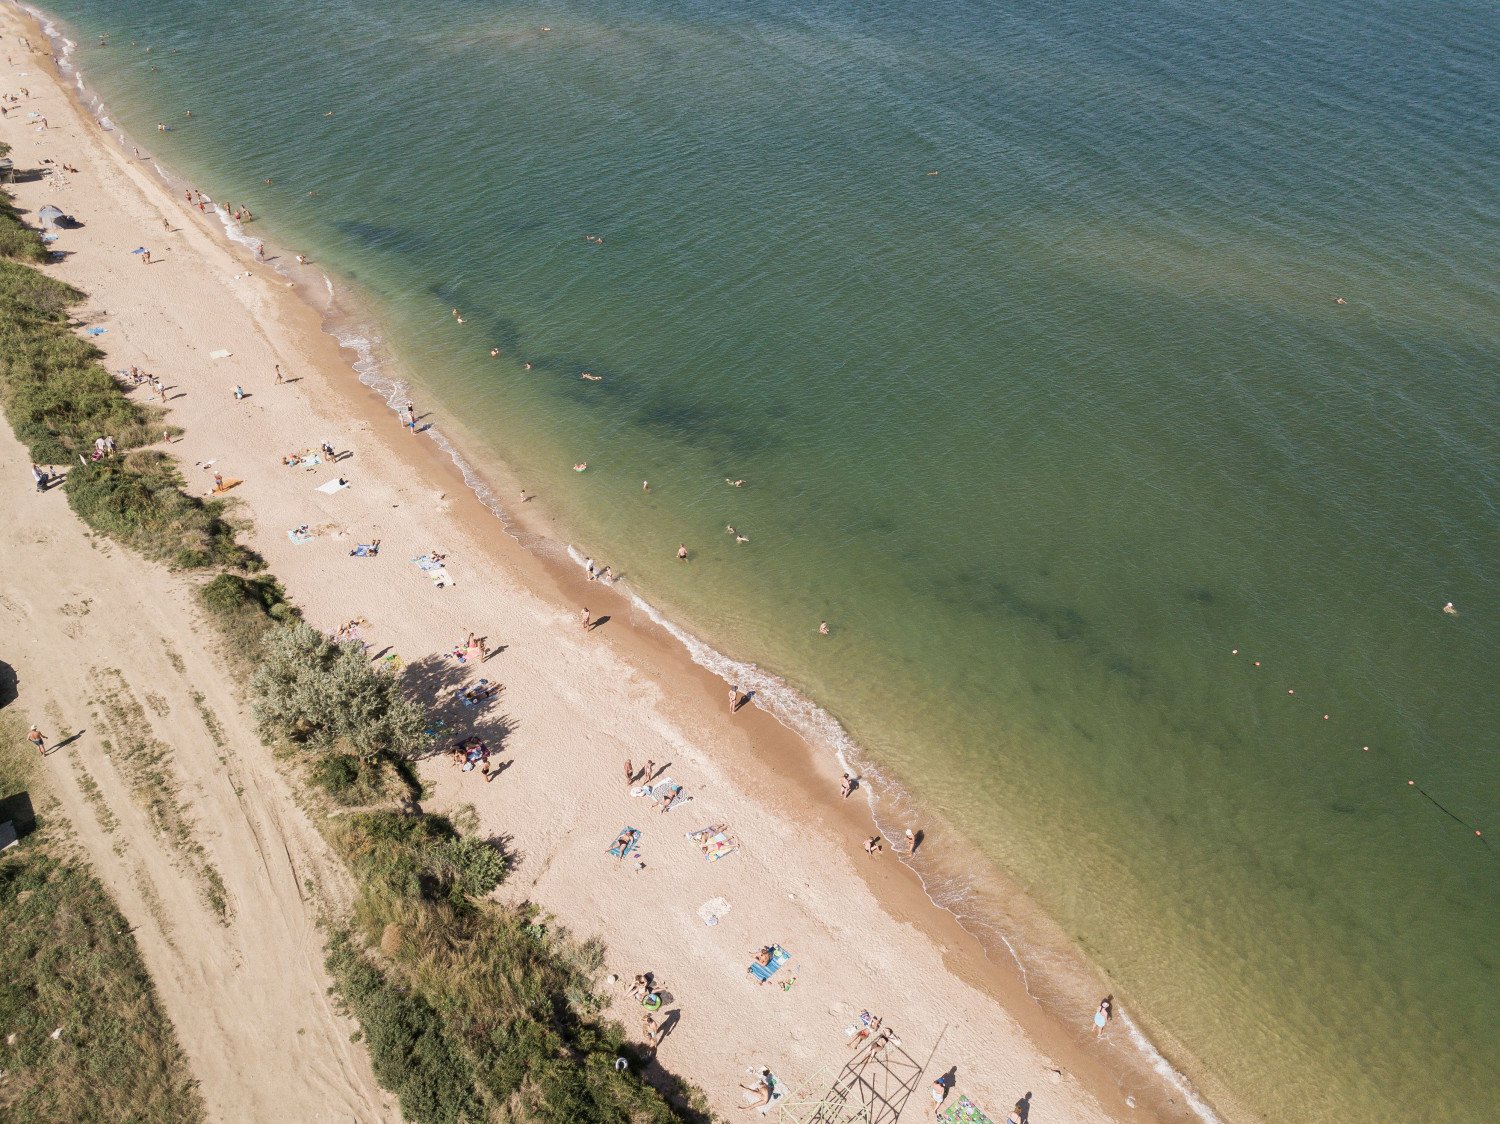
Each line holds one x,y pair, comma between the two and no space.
573,708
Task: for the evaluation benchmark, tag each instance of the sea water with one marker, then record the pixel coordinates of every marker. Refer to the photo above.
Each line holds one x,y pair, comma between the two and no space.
1020,323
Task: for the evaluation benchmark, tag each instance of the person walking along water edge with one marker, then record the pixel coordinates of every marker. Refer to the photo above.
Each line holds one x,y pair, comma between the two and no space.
1102,1016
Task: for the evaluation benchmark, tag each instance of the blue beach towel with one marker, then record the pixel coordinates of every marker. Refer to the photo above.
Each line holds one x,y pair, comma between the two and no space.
299,538
635,837
95,331
364,550
763,972
426,563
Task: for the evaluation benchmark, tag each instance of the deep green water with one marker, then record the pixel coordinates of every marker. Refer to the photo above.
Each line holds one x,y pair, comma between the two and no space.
1046,437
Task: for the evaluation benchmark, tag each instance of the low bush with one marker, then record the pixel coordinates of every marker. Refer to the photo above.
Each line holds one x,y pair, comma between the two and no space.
410,1049
310,691
137,499
245,609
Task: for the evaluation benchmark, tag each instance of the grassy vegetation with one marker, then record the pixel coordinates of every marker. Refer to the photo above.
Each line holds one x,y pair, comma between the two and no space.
70,963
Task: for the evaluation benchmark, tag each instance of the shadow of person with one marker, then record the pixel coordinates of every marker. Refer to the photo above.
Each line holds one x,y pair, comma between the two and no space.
1023,1108
600,623
66,742
669,1023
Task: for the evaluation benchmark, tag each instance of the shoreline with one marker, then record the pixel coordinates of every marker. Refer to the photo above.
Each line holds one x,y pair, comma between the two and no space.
760,747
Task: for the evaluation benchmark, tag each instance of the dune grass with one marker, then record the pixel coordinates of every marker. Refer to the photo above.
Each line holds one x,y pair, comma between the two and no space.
70,963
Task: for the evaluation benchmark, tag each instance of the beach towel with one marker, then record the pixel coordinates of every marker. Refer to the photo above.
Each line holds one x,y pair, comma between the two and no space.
672,792
719,846
466,694
635,837
334,485
712,910
440,577
299,537
307,460
763,972
653,790
426,563
963,1111
50,237
95,331
364,550
778,1090
220,354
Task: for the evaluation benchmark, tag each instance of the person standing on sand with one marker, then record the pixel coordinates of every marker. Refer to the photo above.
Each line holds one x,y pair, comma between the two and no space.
629,772
939,1090
1102,1016
587,620
652,1033
734,698
648,772
846,786
38,739
588,565
279,379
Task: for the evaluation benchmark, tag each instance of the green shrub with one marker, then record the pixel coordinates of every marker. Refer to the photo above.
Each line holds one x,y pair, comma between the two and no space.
311,691
17,240
410,1048
137,499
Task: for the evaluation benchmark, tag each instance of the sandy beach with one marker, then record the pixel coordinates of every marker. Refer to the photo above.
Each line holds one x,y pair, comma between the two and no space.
574,706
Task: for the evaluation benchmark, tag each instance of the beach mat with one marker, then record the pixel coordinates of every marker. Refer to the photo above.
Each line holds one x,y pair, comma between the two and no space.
334,485
963,1111
720,846
635,838
763,972
299,539
364,550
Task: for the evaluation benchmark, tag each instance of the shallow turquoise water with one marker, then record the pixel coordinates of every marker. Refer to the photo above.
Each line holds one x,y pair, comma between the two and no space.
1046,436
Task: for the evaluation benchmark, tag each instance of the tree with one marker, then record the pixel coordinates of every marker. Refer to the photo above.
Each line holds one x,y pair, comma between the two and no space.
312,691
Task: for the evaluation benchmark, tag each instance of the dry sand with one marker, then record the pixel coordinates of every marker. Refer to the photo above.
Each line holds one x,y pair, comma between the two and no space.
248,996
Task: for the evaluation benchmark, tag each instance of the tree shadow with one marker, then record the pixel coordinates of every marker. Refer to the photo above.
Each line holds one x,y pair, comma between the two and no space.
435,681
